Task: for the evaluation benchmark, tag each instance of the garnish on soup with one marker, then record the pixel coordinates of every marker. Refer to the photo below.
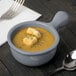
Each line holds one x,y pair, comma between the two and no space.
34,32
32,37
31,40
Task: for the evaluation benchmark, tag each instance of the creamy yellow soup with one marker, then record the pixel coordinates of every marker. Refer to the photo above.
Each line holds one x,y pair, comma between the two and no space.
46,40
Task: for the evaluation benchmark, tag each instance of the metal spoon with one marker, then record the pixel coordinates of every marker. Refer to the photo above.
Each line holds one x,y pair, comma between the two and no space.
69,63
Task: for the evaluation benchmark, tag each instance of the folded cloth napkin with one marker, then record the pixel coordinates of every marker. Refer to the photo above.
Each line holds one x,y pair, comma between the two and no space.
25,14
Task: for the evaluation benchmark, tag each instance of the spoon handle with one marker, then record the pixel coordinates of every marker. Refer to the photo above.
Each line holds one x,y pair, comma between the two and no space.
56,70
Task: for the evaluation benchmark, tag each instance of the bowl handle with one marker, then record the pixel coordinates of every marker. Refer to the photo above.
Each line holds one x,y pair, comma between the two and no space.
61,18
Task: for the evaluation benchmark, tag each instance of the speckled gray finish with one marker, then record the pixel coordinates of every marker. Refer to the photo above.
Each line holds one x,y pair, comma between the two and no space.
38,58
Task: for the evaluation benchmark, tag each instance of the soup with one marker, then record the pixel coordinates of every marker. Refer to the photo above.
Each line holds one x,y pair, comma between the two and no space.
44,41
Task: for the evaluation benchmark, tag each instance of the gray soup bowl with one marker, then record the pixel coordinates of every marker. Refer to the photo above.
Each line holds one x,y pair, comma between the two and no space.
38,58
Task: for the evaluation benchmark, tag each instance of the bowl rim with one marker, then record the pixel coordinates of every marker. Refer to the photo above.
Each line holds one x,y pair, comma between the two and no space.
56,35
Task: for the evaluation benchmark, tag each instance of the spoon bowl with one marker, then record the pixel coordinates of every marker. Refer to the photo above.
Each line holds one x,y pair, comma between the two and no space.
69,62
